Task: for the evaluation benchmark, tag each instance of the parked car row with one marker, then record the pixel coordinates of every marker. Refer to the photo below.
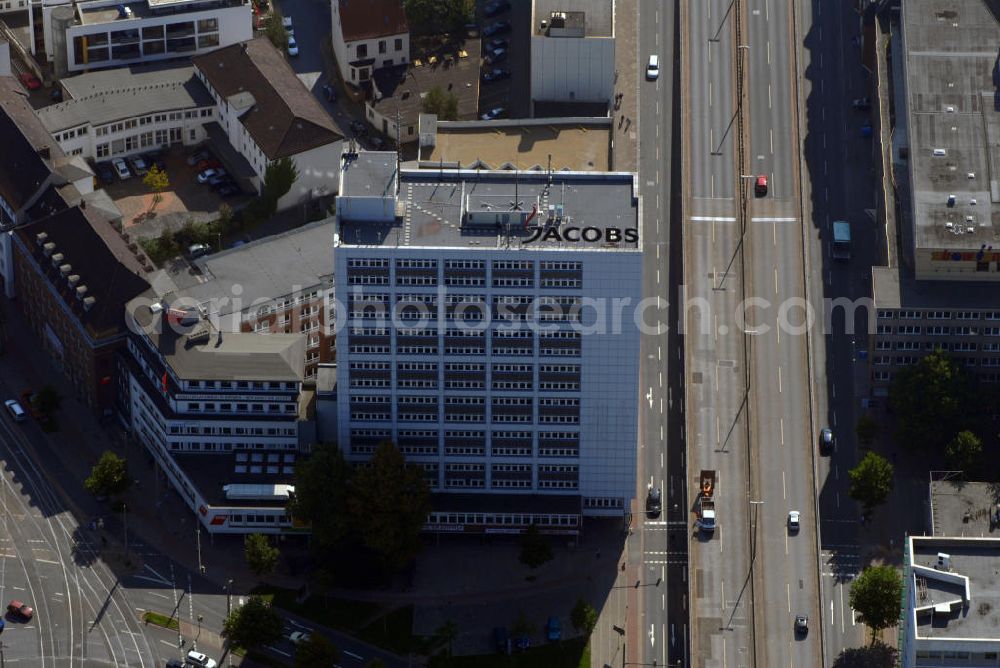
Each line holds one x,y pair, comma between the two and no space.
122,169
211,172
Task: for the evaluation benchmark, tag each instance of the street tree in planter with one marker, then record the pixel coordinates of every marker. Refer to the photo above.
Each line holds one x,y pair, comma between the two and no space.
261,556
964,452
535,550
320,499
389,502
583,617
871,481
932,397
875,594
253,623
109,477
316,652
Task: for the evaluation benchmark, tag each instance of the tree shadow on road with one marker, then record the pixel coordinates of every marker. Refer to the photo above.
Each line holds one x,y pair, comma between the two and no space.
878,655
86,549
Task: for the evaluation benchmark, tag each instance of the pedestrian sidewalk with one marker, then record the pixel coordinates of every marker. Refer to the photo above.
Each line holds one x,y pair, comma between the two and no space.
624,119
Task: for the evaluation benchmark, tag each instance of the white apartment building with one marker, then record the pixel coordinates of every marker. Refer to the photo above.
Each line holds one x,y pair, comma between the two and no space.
221,413
572,51
476,337
110,33
265,114
367,36
114,113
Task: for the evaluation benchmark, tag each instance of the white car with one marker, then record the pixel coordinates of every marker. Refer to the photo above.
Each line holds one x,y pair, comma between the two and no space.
15,410
293,47
286,23
653,68
196,658
121,169
793,520
299,636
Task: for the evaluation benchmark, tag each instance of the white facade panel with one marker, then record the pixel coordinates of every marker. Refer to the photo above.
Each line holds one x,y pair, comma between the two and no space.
570,69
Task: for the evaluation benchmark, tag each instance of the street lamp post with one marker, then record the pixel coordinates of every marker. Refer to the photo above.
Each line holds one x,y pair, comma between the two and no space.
201,566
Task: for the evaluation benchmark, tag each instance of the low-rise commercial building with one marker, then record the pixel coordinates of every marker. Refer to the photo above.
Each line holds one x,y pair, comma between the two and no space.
951,605
572,51
114,113
282,284
223,414
110,33
936,290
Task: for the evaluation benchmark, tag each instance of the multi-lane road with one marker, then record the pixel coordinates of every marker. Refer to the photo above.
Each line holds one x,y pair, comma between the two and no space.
759,383
82,615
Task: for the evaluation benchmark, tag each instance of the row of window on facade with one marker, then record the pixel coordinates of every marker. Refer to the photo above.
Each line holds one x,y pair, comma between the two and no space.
383,45
946,346
471,451
884,376
936,330
887,314
152,139
140,121
208,430
464,264
432,384
133,50
503,519
465,281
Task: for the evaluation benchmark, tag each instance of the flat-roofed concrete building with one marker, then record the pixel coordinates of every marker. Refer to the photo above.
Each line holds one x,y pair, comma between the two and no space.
469,341
223,414
951,608
110,33
532,144
937,289
572,51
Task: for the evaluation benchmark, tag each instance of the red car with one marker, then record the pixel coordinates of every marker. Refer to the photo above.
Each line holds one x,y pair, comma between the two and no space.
30,81
760,187
210,163
20,609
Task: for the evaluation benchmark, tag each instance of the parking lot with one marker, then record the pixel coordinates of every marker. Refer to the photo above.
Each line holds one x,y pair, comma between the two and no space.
182,200
515,99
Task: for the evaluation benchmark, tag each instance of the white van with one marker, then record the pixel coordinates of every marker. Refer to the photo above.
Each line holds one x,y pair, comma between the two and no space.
653,68
15,410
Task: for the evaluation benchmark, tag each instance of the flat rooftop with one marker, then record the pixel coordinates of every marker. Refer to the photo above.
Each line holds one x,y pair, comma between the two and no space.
595,17
103,11
195,350
896,287
967,593
963,509
457,209
211,472
954,127
263,270
578,145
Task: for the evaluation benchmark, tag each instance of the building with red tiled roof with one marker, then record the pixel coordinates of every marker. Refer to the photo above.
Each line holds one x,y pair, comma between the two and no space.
369,35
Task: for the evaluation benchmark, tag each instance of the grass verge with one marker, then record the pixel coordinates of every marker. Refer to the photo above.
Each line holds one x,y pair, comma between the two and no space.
156,619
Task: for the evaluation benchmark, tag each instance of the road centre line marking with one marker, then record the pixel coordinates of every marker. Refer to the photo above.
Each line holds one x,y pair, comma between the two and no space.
714,219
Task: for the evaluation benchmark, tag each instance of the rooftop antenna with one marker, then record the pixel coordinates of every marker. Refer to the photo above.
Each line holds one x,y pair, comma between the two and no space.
516,204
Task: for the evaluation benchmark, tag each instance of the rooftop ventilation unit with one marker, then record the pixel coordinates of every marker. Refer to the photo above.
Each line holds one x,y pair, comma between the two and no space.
65,269
88,303
81,292
943,562
49,249
41,238
57,259
72,280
